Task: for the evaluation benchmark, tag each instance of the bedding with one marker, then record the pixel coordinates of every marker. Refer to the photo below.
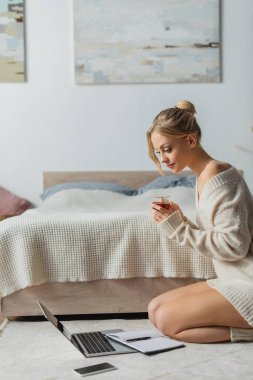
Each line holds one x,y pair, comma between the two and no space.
85,235
164,182
161,182
110,186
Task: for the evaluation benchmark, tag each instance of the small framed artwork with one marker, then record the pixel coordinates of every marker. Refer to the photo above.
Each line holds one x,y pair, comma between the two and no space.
137,41
12,41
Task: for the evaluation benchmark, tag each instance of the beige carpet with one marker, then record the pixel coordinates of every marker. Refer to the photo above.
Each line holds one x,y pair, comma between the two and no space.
34,350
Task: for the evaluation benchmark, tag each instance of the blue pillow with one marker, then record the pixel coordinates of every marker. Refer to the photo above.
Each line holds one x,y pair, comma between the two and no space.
115,187
163,182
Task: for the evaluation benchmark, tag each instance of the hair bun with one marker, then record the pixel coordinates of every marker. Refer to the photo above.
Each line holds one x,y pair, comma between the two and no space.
186,106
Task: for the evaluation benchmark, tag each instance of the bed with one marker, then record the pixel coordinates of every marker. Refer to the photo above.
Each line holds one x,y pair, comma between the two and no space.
128,270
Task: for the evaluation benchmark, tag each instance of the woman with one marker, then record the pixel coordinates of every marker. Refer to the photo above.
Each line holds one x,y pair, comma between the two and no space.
219,309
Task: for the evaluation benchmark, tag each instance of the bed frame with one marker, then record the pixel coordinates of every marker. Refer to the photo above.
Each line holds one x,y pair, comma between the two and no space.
92,297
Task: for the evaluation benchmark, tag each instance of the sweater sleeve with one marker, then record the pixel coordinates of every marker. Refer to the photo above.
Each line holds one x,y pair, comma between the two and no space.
228,238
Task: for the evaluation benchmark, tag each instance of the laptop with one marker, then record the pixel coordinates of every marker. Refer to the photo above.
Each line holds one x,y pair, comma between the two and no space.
90,344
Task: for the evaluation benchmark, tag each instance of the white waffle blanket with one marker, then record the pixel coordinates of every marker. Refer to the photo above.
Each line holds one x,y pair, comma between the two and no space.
62,240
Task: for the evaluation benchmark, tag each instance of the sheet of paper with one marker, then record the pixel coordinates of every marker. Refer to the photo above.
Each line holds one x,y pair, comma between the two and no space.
135,334
155,344
146,341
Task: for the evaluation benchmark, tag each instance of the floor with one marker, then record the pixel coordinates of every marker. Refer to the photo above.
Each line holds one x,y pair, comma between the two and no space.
34,350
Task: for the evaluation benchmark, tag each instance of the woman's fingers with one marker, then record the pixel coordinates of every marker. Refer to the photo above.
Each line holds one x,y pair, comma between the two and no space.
160,213
159,216
159,208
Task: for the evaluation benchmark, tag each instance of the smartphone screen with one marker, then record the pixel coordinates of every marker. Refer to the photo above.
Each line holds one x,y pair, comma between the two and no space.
93,369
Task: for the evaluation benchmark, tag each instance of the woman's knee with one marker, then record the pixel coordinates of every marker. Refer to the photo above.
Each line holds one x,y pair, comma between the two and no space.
158,301
153,306
166,321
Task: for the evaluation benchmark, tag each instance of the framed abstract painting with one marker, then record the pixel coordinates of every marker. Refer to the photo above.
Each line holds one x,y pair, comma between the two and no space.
136,41
12,44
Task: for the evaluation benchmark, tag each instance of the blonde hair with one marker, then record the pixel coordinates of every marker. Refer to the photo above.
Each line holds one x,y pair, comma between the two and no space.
178,122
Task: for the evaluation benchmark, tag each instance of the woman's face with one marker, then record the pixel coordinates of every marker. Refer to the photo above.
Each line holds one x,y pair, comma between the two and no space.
175,153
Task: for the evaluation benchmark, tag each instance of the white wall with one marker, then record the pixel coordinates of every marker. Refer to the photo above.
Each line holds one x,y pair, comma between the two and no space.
49,123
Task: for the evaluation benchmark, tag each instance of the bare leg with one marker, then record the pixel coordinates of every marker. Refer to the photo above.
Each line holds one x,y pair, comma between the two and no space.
169,296
205,335
200,315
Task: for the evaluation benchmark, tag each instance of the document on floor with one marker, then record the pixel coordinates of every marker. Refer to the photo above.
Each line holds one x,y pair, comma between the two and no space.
146,341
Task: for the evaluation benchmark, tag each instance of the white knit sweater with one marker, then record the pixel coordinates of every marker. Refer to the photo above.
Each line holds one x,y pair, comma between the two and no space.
223,232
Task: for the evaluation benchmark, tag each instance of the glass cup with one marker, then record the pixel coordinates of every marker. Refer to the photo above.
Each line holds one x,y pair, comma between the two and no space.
163,201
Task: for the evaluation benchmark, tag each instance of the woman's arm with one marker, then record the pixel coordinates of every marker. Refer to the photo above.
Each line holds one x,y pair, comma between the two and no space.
228,240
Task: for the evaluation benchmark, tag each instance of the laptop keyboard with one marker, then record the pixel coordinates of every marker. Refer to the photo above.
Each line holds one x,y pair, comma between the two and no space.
95,342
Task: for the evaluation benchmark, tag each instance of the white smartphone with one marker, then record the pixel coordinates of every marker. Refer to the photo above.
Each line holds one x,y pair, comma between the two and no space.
94,369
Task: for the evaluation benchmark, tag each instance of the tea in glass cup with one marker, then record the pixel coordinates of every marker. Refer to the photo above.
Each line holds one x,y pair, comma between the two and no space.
163,201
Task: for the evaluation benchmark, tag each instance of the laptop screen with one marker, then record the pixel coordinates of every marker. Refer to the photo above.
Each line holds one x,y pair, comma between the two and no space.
51,318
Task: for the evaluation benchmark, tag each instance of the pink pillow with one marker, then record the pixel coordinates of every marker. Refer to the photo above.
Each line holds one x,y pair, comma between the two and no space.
11,204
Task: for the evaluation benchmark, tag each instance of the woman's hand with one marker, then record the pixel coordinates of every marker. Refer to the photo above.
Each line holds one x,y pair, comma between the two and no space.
160,213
